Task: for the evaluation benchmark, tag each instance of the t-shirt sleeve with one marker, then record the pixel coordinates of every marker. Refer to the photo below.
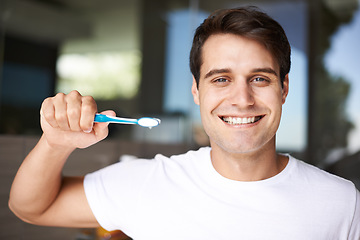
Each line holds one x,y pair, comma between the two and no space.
355,226
113,192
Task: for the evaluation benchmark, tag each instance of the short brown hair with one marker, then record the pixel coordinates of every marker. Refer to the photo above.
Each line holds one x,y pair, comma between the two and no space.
248,22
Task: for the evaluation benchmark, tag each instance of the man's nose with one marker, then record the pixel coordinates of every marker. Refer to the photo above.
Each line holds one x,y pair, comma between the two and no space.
241,94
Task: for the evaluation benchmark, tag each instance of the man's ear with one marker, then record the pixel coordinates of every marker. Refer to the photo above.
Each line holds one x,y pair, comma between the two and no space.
285,88
195,92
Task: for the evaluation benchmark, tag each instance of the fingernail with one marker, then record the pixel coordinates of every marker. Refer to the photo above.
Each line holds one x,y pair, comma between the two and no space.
88,131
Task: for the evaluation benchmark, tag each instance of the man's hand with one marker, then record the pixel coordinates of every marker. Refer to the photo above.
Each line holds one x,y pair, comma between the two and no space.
40,194
68,121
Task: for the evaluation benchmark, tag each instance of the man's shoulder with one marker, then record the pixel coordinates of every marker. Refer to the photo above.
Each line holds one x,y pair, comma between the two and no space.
318,177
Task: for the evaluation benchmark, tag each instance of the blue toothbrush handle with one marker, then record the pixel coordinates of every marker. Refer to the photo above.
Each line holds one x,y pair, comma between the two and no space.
105,118
101,118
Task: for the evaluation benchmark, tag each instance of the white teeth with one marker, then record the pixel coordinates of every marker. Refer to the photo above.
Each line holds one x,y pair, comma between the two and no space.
236,120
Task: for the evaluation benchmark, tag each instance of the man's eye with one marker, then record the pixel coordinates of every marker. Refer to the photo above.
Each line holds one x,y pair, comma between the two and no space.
259,79
220,80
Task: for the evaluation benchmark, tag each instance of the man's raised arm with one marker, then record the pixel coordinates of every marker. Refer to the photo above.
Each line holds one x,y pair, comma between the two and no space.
40,194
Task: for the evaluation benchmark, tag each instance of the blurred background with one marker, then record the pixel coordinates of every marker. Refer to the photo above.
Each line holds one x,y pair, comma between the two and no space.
132,57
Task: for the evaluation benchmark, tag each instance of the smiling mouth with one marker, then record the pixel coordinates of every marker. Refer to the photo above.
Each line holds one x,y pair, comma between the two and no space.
241,121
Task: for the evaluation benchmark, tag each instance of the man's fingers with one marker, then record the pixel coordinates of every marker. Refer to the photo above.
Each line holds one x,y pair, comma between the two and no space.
74,104
48,112
101,129
60,107
109,113
73,112
88,110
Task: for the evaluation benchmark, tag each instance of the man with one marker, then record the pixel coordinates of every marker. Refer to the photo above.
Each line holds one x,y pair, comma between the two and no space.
240,188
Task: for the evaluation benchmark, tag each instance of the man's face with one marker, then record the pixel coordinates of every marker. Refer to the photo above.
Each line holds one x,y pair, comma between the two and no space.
239,94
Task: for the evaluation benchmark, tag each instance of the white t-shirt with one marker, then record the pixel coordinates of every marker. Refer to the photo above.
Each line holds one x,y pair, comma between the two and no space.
184,197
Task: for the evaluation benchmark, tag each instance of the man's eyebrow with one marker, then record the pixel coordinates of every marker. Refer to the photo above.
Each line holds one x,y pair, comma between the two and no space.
265,70
227,70
217,71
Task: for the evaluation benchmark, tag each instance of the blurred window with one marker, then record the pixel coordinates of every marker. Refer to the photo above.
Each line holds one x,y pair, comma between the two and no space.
104,75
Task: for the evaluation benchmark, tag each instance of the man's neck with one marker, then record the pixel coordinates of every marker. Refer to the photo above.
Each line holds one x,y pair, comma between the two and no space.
254,166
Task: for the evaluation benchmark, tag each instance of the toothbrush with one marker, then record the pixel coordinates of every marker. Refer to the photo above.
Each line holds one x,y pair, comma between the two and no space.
144,121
